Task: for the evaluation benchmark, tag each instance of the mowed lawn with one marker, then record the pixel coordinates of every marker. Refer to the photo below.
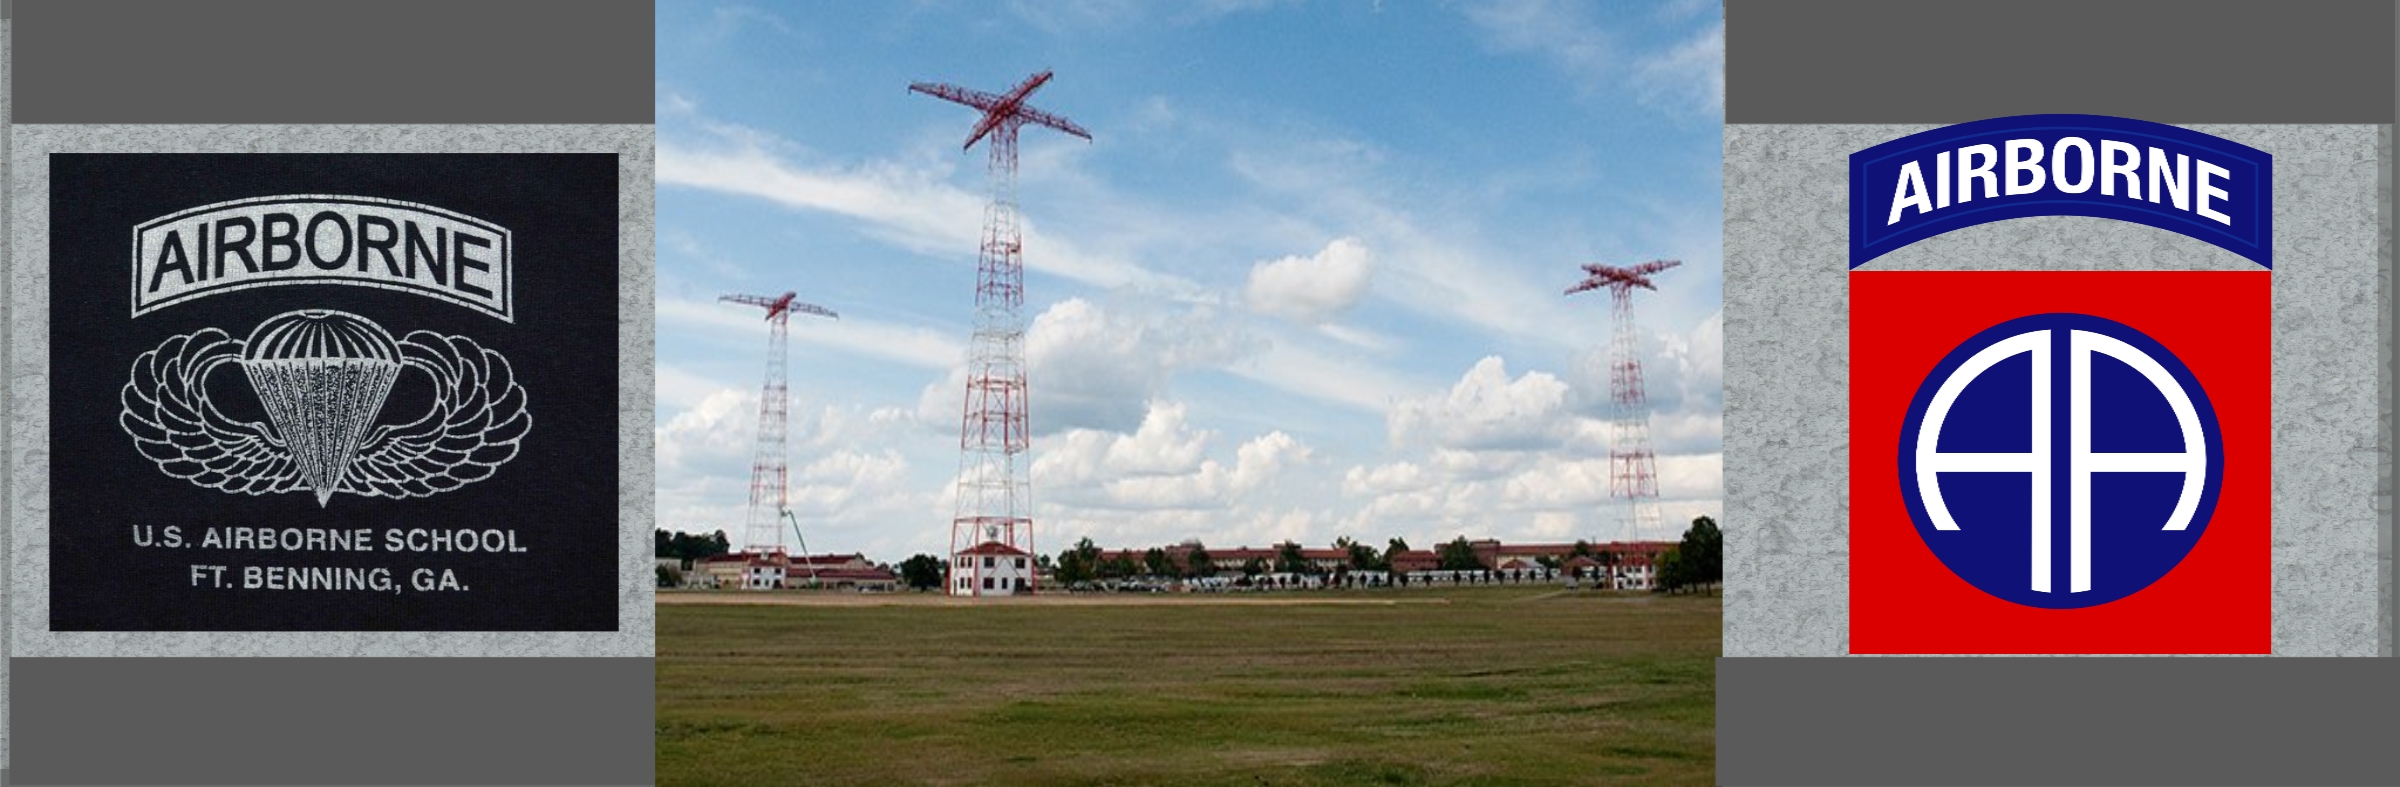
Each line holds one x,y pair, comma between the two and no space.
1488,686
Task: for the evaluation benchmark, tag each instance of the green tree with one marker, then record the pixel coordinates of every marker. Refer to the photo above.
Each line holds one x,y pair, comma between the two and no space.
1288,559
1362,557
669,577
1671,571
1458,556
1198,563
1254,567
1080,563
666,544
922,572
1704,546
1120,566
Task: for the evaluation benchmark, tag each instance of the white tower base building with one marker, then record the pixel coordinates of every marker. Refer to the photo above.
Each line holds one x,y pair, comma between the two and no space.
991,569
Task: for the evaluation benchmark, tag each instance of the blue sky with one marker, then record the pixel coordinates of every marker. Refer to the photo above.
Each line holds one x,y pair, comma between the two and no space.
1305,282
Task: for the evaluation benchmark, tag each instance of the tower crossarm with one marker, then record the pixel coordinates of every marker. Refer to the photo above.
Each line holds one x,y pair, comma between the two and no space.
1039,117
1002,112
1621,277
813,309
778,306
968,96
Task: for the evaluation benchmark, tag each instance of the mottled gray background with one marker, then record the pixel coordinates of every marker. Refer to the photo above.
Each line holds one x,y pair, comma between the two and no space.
27,509
1787,366
8,446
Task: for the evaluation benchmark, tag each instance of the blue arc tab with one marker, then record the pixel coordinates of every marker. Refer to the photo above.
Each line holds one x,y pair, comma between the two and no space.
2175,179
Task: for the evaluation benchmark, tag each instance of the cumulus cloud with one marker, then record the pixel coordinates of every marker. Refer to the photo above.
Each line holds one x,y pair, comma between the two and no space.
1683,379
1095,368
721,427
1312,289
1165,464
837,482
1486,410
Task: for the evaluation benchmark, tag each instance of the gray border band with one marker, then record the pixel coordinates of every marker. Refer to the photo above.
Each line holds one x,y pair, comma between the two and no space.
1927,721
332,721
2193,61
310,61
1798,722
490,715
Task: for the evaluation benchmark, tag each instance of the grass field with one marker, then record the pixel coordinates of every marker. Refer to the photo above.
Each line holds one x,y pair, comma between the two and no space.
1472,686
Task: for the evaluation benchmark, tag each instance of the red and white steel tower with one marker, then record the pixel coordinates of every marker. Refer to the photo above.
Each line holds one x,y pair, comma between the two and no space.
1632,465
769,470
993,523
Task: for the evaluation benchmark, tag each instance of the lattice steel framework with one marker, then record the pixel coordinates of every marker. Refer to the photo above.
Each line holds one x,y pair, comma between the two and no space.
1632,463
770,491
995,492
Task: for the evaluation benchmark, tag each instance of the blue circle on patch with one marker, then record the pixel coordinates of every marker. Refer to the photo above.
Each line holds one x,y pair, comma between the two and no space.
2060,461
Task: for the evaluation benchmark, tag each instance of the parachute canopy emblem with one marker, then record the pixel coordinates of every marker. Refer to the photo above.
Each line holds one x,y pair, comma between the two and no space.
322,377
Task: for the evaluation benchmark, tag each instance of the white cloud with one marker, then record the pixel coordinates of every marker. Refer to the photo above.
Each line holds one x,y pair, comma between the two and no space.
1690,76
915,346
1341,379
1554,28
730,19
1163,465
837,482
1487,410
1559,482
907,206
1383,479
1062,17
722,427
1442,271
1359,338
680,389
1260,460
1312,289
1163,445
1096,367
1681,372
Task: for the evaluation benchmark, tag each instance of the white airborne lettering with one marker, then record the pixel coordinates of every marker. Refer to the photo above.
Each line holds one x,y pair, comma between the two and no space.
322,239
2020,167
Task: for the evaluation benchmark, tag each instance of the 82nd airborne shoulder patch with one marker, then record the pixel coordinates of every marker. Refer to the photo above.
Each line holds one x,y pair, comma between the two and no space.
2068,462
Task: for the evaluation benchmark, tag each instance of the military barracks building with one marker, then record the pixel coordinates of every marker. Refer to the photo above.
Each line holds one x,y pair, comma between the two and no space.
767,572
1634,567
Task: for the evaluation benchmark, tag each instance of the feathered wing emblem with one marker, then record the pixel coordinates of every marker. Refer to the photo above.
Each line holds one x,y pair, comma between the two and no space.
322,377
477,418
168,413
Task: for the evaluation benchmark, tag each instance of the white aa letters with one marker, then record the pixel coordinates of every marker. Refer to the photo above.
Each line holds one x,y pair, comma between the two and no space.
2082,462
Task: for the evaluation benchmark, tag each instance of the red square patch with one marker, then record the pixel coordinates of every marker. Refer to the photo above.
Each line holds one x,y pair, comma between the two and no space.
2060,462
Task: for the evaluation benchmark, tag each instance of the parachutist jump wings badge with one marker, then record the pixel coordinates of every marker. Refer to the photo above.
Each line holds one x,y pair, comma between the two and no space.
322,377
